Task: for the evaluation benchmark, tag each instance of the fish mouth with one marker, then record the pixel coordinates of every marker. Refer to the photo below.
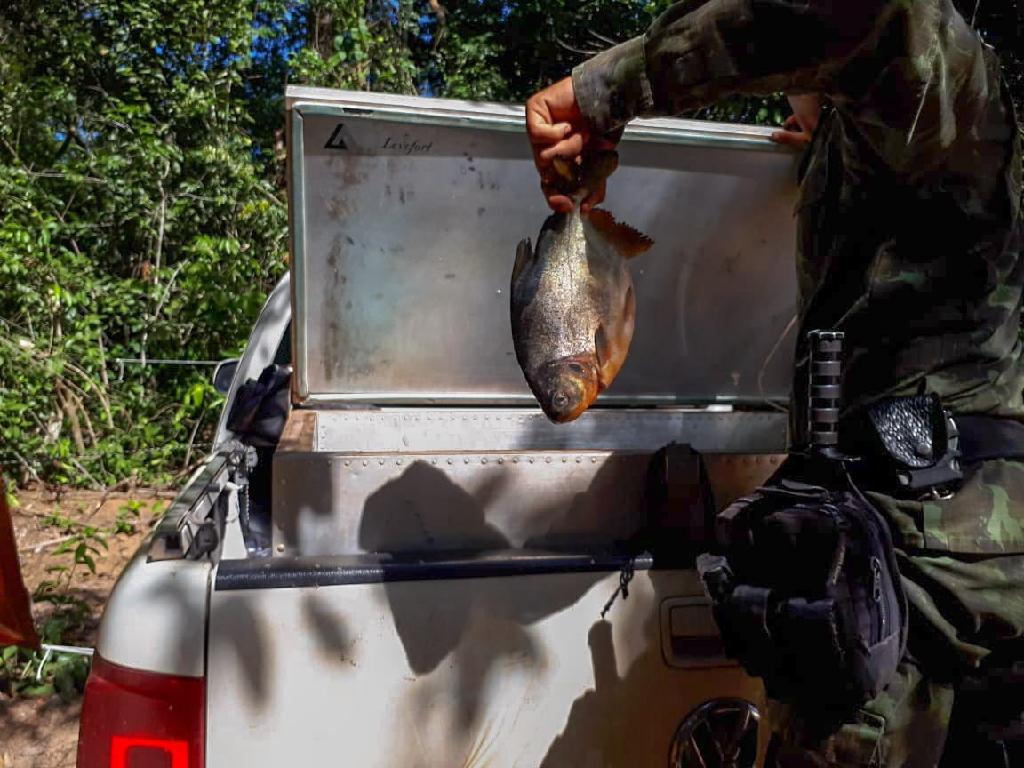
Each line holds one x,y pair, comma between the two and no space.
566,388
564,407
559,416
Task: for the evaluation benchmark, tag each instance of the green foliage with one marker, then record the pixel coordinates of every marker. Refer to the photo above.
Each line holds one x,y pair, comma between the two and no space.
28,672
137,223
492,49
81,541
130,515
359,46
10,497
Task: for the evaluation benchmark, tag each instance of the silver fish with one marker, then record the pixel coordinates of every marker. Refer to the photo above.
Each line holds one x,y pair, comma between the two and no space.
572,303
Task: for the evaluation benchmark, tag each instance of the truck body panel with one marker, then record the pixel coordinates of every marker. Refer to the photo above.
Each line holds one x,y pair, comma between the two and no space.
155,618
501,672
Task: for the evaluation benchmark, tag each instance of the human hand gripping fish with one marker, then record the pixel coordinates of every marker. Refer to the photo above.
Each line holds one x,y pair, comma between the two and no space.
572,302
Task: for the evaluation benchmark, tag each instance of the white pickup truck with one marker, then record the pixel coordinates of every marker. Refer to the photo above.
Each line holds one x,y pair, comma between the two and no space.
414,573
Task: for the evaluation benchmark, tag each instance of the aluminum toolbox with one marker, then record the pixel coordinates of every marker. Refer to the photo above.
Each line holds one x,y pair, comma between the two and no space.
406,213
414,429
414,481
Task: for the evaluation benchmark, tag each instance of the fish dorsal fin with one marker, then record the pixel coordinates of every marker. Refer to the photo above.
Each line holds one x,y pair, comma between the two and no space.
524,255
628,241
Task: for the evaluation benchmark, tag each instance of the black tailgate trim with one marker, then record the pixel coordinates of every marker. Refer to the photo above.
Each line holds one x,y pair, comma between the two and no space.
292,572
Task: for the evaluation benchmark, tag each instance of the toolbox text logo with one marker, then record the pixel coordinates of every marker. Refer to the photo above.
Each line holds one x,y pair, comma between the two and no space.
337,140
407,146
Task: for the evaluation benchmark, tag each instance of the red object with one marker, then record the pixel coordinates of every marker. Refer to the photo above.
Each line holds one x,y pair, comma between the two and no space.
15,617
136,719
162,750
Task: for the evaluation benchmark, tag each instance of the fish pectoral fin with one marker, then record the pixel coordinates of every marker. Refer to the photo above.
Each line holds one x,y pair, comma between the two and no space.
628,241
603,349
629,310
524,255
608,359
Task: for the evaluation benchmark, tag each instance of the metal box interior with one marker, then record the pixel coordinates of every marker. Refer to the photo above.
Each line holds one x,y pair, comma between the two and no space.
414,429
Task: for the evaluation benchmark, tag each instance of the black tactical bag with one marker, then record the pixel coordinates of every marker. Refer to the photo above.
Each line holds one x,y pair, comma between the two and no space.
809,595
261,407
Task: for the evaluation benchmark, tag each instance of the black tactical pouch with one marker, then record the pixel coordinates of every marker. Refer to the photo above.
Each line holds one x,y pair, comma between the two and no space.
907,445
261,407
809,597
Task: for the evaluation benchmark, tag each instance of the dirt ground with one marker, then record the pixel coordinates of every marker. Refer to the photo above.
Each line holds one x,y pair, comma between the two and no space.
43,732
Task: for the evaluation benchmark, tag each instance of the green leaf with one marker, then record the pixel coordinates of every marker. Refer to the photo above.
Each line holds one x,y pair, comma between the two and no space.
38,690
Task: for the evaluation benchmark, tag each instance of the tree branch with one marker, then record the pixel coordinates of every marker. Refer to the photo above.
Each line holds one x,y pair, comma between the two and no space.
68,408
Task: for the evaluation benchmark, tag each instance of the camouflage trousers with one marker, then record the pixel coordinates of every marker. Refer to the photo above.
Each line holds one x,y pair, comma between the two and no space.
962,564
904,727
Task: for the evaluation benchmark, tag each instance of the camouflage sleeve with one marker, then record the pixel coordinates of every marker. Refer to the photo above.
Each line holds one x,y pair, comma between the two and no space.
898,62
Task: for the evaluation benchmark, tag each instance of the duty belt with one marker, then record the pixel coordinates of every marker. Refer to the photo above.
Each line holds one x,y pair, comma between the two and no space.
911,445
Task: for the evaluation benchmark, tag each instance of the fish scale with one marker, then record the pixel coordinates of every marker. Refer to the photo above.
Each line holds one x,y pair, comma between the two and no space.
571,331
572,305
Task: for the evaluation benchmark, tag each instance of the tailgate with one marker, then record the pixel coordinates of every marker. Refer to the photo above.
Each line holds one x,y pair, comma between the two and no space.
458,663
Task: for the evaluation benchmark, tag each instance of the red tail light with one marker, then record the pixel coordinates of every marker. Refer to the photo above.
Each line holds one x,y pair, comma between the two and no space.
135,719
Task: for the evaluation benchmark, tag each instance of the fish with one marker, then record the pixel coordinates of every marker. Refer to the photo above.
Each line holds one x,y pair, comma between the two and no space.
573,306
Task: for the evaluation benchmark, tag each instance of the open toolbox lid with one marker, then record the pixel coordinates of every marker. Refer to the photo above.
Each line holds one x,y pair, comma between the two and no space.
406,212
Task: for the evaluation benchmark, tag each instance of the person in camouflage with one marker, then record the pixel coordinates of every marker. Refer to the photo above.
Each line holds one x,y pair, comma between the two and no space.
909,241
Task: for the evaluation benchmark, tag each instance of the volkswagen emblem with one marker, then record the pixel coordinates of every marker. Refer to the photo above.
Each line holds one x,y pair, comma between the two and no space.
721,733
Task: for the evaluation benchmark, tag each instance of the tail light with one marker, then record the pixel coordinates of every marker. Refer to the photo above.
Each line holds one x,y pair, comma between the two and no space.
135,719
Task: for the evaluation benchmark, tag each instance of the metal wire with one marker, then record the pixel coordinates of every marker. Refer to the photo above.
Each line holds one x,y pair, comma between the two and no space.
145,362
49,650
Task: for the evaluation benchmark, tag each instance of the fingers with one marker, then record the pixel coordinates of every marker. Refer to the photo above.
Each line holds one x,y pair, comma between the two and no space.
570,148
541,127
551,113
792,123
557,102
807,109
542,133
554,124
782,137
557,129
795,139
557,201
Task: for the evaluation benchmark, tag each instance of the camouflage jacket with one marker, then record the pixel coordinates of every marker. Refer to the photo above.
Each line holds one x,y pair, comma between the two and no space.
909,210
909,240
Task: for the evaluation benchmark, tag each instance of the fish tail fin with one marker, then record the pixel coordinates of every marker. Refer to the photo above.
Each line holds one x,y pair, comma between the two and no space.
628,241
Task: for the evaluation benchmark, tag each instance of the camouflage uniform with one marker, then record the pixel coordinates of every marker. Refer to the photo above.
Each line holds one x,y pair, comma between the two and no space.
909,241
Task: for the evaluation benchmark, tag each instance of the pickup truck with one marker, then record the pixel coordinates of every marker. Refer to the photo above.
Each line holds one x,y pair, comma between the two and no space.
418,570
